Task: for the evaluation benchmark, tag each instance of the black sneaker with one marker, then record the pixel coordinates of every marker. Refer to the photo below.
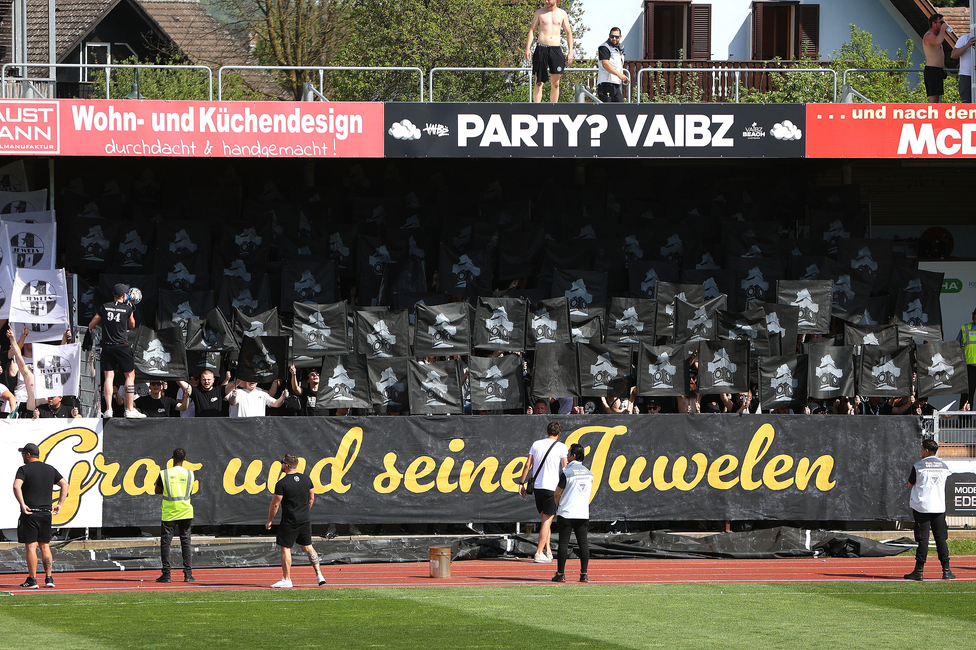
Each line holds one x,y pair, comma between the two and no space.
164,578
948,575
915,575
559,577
30,583
584,577
49,582
188,578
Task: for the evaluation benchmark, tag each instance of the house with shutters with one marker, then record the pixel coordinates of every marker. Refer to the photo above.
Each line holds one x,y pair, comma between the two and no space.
752,30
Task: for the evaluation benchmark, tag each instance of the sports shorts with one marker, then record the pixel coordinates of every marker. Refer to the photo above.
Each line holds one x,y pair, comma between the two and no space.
291,534
547,60
934,80
545,501
35,527
117,358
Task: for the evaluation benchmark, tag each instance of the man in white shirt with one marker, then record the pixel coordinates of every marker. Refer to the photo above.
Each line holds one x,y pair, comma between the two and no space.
963,52
573,511
928,483
251,401
551,455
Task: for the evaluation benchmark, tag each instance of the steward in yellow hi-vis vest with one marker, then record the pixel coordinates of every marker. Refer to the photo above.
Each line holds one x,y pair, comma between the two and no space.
176,485
967,335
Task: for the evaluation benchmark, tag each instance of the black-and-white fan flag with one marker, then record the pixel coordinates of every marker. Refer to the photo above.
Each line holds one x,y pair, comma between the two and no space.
603,369
830,371
941,369
320,330
814,299
884,374
783,382
499,324
388,383
442,330
434,388
723,367
631,321
663,370
343,383
496,382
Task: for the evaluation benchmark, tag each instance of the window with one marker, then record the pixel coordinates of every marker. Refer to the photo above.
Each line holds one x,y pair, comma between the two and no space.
675,29
787,30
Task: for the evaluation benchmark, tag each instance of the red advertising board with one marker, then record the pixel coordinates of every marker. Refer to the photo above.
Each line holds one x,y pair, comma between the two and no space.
191,129
891,131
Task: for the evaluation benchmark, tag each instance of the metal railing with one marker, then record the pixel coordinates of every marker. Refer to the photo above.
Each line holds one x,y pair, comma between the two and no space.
736,73
955,431
847,91
320,69
30,82
523,70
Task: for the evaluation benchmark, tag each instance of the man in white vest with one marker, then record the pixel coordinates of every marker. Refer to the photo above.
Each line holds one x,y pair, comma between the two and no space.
928,483
611,75
573,512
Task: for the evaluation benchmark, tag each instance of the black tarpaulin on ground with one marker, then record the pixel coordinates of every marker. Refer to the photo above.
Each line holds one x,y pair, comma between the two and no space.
772,543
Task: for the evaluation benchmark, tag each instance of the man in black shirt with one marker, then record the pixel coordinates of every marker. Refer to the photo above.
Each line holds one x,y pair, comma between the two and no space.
32,488
295,494
207,397
155,404
58,407
116,318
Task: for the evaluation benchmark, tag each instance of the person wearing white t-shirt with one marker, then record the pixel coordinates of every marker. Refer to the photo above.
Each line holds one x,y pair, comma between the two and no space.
251,401
549,457
963,52
573,511
928,501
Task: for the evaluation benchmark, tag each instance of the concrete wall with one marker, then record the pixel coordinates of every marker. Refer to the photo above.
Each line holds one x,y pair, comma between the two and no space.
732,26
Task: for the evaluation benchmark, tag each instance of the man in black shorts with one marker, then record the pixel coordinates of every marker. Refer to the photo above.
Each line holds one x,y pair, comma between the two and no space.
548,57
934,72
295,494
116,319
32,488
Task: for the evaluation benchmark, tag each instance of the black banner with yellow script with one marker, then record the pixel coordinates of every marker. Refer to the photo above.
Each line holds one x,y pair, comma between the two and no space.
414,469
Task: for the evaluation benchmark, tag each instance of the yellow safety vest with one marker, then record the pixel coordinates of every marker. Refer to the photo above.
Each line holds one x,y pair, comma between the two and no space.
177,485
969,342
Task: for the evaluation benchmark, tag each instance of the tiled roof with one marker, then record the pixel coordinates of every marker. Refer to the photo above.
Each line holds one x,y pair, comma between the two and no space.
186,23
958,19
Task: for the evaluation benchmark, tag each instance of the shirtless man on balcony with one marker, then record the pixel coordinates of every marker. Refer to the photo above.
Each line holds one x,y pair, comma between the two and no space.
548,58
935,73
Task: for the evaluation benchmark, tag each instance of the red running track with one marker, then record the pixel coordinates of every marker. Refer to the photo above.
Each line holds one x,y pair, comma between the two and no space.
485,573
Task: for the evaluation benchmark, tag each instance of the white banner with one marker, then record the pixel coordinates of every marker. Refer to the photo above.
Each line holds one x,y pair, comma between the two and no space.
6,287
35,201
43,216
71,446
40,297
57,369
31,245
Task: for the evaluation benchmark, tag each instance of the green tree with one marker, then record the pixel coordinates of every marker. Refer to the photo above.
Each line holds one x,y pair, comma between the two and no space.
436,34
287,33
169,83
859,52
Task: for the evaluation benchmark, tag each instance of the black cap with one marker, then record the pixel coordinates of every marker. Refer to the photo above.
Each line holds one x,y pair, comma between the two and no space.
120,290
30,449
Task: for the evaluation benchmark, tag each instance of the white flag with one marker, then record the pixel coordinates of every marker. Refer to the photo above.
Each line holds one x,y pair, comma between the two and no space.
57,369
35,201
39,297
30,245
6,288
42,216
39,332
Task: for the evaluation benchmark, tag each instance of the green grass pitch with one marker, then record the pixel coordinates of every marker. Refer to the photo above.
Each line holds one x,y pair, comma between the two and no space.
887,616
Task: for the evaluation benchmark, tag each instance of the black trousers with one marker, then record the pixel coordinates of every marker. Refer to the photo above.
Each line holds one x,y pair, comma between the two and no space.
936,522
608,92
577,527
179,527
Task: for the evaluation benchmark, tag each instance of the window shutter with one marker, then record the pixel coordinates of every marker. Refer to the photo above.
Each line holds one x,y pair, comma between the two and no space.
648,29
809,31
700,32
757,18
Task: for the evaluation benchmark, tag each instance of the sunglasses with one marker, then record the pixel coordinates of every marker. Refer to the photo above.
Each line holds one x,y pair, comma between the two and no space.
614,35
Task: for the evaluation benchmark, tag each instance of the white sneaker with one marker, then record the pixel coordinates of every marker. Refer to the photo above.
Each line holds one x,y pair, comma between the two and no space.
321,579
282,584
134,414
549,556
107,414
541,558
